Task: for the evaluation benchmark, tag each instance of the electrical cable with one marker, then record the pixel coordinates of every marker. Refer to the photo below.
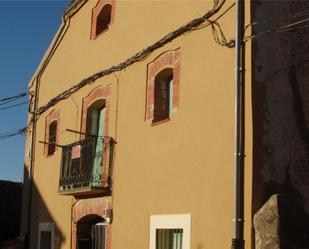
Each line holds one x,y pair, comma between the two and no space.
141,55
219,36
9,101
273,20
284,28
21,95
216,19
5,135
12,106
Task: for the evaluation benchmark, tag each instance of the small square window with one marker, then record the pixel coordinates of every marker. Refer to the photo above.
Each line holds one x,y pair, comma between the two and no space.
169,238
170,231
46,235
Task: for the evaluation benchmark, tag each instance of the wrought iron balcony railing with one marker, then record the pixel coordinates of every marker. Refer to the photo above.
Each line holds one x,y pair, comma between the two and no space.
87,165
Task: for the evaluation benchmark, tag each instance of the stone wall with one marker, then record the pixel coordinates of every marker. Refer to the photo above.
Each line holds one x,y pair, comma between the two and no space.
280,101
281,224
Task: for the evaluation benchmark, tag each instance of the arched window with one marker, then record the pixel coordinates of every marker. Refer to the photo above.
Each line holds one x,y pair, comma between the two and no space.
95,132
103,19
91,233
52,134
96,118
163,83
162,94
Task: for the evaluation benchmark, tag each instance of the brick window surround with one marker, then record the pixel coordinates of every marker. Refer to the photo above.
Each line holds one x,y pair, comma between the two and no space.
94,206
99,93
169,59
52,116
95,14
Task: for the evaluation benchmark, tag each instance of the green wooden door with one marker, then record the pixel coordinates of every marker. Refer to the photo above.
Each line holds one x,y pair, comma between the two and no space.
98,154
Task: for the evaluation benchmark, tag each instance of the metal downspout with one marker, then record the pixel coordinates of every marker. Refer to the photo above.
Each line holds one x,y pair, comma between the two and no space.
57,38
238,233
33,133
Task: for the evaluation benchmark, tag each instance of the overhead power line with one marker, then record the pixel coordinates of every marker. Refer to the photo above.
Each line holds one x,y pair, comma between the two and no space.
13,106
284,28
5,135
300,24
277,19
15,97
5,101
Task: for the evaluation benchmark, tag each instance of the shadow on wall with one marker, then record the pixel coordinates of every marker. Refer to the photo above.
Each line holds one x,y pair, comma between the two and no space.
43,228
280,87
10,206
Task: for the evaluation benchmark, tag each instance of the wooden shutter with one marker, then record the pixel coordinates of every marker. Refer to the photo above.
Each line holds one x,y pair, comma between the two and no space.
98,234
52,137
161,100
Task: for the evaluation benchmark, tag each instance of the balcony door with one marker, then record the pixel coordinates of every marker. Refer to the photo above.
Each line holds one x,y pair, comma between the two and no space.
95,127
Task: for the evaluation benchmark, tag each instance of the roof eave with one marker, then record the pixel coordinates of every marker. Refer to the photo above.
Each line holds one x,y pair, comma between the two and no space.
67,14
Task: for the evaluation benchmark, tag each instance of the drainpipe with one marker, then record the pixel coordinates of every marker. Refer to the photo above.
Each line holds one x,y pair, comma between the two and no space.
73,8
42,66
238,231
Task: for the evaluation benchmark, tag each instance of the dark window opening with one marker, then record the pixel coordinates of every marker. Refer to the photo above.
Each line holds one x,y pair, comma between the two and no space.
169,238
91,233
95,119
46,242
163,83
103,19
52,138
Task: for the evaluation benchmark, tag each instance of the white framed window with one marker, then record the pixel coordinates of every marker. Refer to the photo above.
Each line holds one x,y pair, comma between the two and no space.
46,235
170,231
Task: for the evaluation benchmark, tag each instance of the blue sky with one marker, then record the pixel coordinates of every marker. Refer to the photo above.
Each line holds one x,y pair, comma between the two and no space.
26,29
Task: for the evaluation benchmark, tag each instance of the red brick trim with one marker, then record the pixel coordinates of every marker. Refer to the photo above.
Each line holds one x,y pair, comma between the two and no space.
170,59
94,206
96,11
52,116
101,92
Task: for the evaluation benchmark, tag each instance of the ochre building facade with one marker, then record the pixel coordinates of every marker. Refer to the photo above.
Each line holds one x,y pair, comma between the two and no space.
142,157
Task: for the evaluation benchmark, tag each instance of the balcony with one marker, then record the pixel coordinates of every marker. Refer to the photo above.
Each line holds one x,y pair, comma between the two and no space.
87,166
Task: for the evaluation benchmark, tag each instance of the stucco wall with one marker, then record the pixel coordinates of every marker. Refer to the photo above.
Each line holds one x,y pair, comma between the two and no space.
184,165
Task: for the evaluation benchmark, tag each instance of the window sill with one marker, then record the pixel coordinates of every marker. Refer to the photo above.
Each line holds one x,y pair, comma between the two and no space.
154,123
94,37
50,155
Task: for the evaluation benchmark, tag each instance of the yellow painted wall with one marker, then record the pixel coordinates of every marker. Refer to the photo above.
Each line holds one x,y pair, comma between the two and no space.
185,165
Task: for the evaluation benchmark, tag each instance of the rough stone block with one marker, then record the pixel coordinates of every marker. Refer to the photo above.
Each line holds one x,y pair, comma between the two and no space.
281,224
